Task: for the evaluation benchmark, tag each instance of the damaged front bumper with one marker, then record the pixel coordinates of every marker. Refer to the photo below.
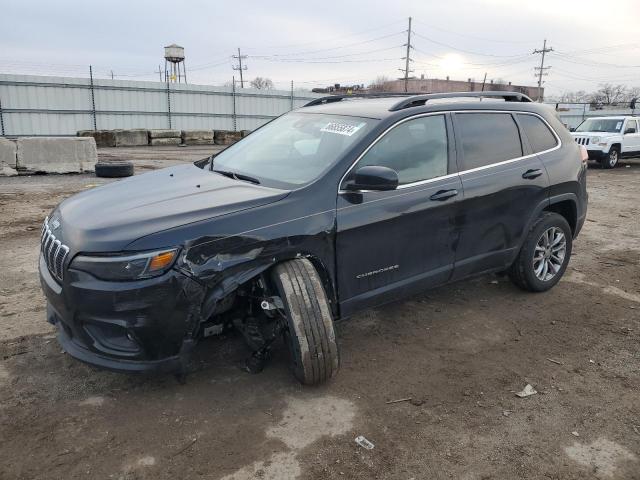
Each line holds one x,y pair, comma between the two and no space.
137,326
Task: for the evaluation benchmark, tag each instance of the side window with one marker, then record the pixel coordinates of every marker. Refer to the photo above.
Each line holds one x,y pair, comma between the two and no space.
632,124
488,138
538,133
416,149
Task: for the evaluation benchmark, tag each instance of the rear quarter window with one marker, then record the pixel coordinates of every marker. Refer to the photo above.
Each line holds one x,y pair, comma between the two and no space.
538,133
488,138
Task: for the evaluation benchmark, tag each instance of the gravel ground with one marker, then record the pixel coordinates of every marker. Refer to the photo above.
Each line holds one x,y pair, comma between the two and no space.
459,353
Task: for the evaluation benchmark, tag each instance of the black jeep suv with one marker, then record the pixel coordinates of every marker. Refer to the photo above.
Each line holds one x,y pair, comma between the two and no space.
341,205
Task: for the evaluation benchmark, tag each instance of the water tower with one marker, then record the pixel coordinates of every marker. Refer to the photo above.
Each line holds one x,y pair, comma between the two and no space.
174,55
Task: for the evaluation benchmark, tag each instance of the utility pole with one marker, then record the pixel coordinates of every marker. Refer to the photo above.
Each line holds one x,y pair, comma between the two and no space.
240,67
542,70
407,58
484,81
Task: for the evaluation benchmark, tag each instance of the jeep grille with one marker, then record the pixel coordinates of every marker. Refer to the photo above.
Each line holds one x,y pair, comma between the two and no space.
53,251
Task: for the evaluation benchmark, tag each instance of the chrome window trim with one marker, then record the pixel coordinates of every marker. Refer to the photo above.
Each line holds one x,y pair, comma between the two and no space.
517,159
450,175
399,122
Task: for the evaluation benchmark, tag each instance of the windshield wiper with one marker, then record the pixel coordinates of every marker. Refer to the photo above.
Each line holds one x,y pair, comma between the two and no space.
238,176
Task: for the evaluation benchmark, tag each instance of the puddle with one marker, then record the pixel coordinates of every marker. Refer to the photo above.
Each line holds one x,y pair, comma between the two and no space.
279,466
304,421
601,457
577,277
4,374
92,402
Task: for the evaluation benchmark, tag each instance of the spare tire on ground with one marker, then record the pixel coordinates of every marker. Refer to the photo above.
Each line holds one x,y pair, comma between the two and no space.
114,169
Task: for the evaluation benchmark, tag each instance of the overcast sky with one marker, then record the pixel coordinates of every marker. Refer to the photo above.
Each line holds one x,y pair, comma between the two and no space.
320,43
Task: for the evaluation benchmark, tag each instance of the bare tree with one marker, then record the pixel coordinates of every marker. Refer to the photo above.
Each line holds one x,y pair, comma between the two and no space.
609,93
380,84
578,96
262,83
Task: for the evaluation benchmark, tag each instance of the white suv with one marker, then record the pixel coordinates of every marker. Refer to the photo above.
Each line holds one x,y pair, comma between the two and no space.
608,138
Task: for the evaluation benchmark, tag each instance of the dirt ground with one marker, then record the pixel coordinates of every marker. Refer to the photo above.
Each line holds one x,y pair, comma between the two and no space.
459,353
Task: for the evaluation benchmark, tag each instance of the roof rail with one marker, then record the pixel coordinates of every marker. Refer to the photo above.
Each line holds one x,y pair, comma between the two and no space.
417,100
338,98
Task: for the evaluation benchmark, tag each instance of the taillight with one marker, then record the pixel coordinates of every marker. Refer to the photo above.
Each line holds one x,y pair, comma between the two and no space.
584,155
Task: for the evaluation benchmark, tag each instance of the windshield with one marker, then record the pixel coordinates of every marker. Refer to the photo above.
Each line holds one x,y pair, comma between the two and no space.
611,125
292,150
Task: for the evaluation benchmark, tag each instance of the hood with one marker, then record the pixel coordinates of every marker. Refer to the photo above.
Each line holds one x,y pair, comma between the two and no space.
107,218
594,134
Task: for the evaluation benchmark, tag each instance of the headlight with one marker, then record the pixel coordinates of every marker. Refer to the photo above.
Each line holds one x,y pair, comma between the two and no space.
595,139
129,267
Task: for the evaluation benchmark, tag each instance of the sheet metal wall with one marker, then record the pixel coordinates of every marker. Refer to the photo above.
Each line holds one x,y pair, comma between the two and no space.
38,105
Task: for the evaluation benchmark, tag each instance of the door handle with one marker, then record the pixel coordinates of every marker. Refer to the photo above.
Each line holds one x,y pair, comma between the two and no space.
442,195
531,174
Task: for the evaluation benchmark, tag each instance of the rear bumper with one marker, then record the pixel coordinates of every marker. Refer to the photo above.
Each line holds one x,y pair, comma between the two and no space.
138,326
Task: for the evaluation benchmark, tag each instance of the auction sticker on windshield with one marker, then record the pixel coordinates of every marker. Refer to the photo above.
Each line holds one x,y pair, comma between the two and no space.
342,128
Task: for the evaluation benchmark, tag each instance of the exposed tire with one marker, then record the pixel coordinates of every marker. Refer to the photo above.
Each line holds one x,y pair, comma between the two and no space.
528,270
611,160
114,169
310,335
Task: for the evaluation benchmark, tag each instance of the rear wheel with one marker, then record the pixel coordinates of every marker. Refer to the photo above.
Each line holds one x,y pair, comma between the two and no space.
611,159
544,255
310,335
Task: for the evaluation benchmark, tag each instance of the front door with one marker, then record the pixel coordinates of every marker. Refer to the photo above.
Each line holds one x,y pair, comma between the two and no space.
400,241
631,144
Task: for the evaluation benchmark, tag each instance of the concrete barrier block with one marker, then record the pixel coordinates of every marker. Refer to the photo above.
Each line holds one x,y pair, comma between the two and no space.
197,137
244,133
131,138
226,137
103,138
166,141
8,151
164,133
7,171
57,155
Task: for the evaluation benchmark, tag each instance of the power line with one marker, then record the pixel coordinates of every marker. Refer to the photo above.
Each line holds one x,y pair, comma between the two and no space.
341,47
542,70
333,39
470,52
473,36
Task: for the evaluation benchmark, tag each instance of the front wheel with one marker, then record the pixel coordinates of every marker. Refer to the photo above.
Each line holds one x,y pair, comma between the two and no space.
309,335
544,255
611,159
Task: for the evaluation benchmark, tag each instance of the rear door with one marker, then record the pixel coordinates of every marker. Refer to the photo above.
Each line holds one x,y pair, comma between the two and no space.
400,241
503,183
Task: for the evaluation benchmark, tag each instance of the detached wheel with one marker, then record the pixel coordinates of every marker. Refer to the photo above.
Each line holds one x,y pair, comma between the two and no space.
544,255
611,160
114,169
310,336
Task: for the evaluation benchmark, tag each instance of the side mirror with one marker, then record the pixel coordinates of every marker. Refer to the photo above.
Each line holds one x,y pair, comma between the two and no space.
630,130
374,178
572,129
